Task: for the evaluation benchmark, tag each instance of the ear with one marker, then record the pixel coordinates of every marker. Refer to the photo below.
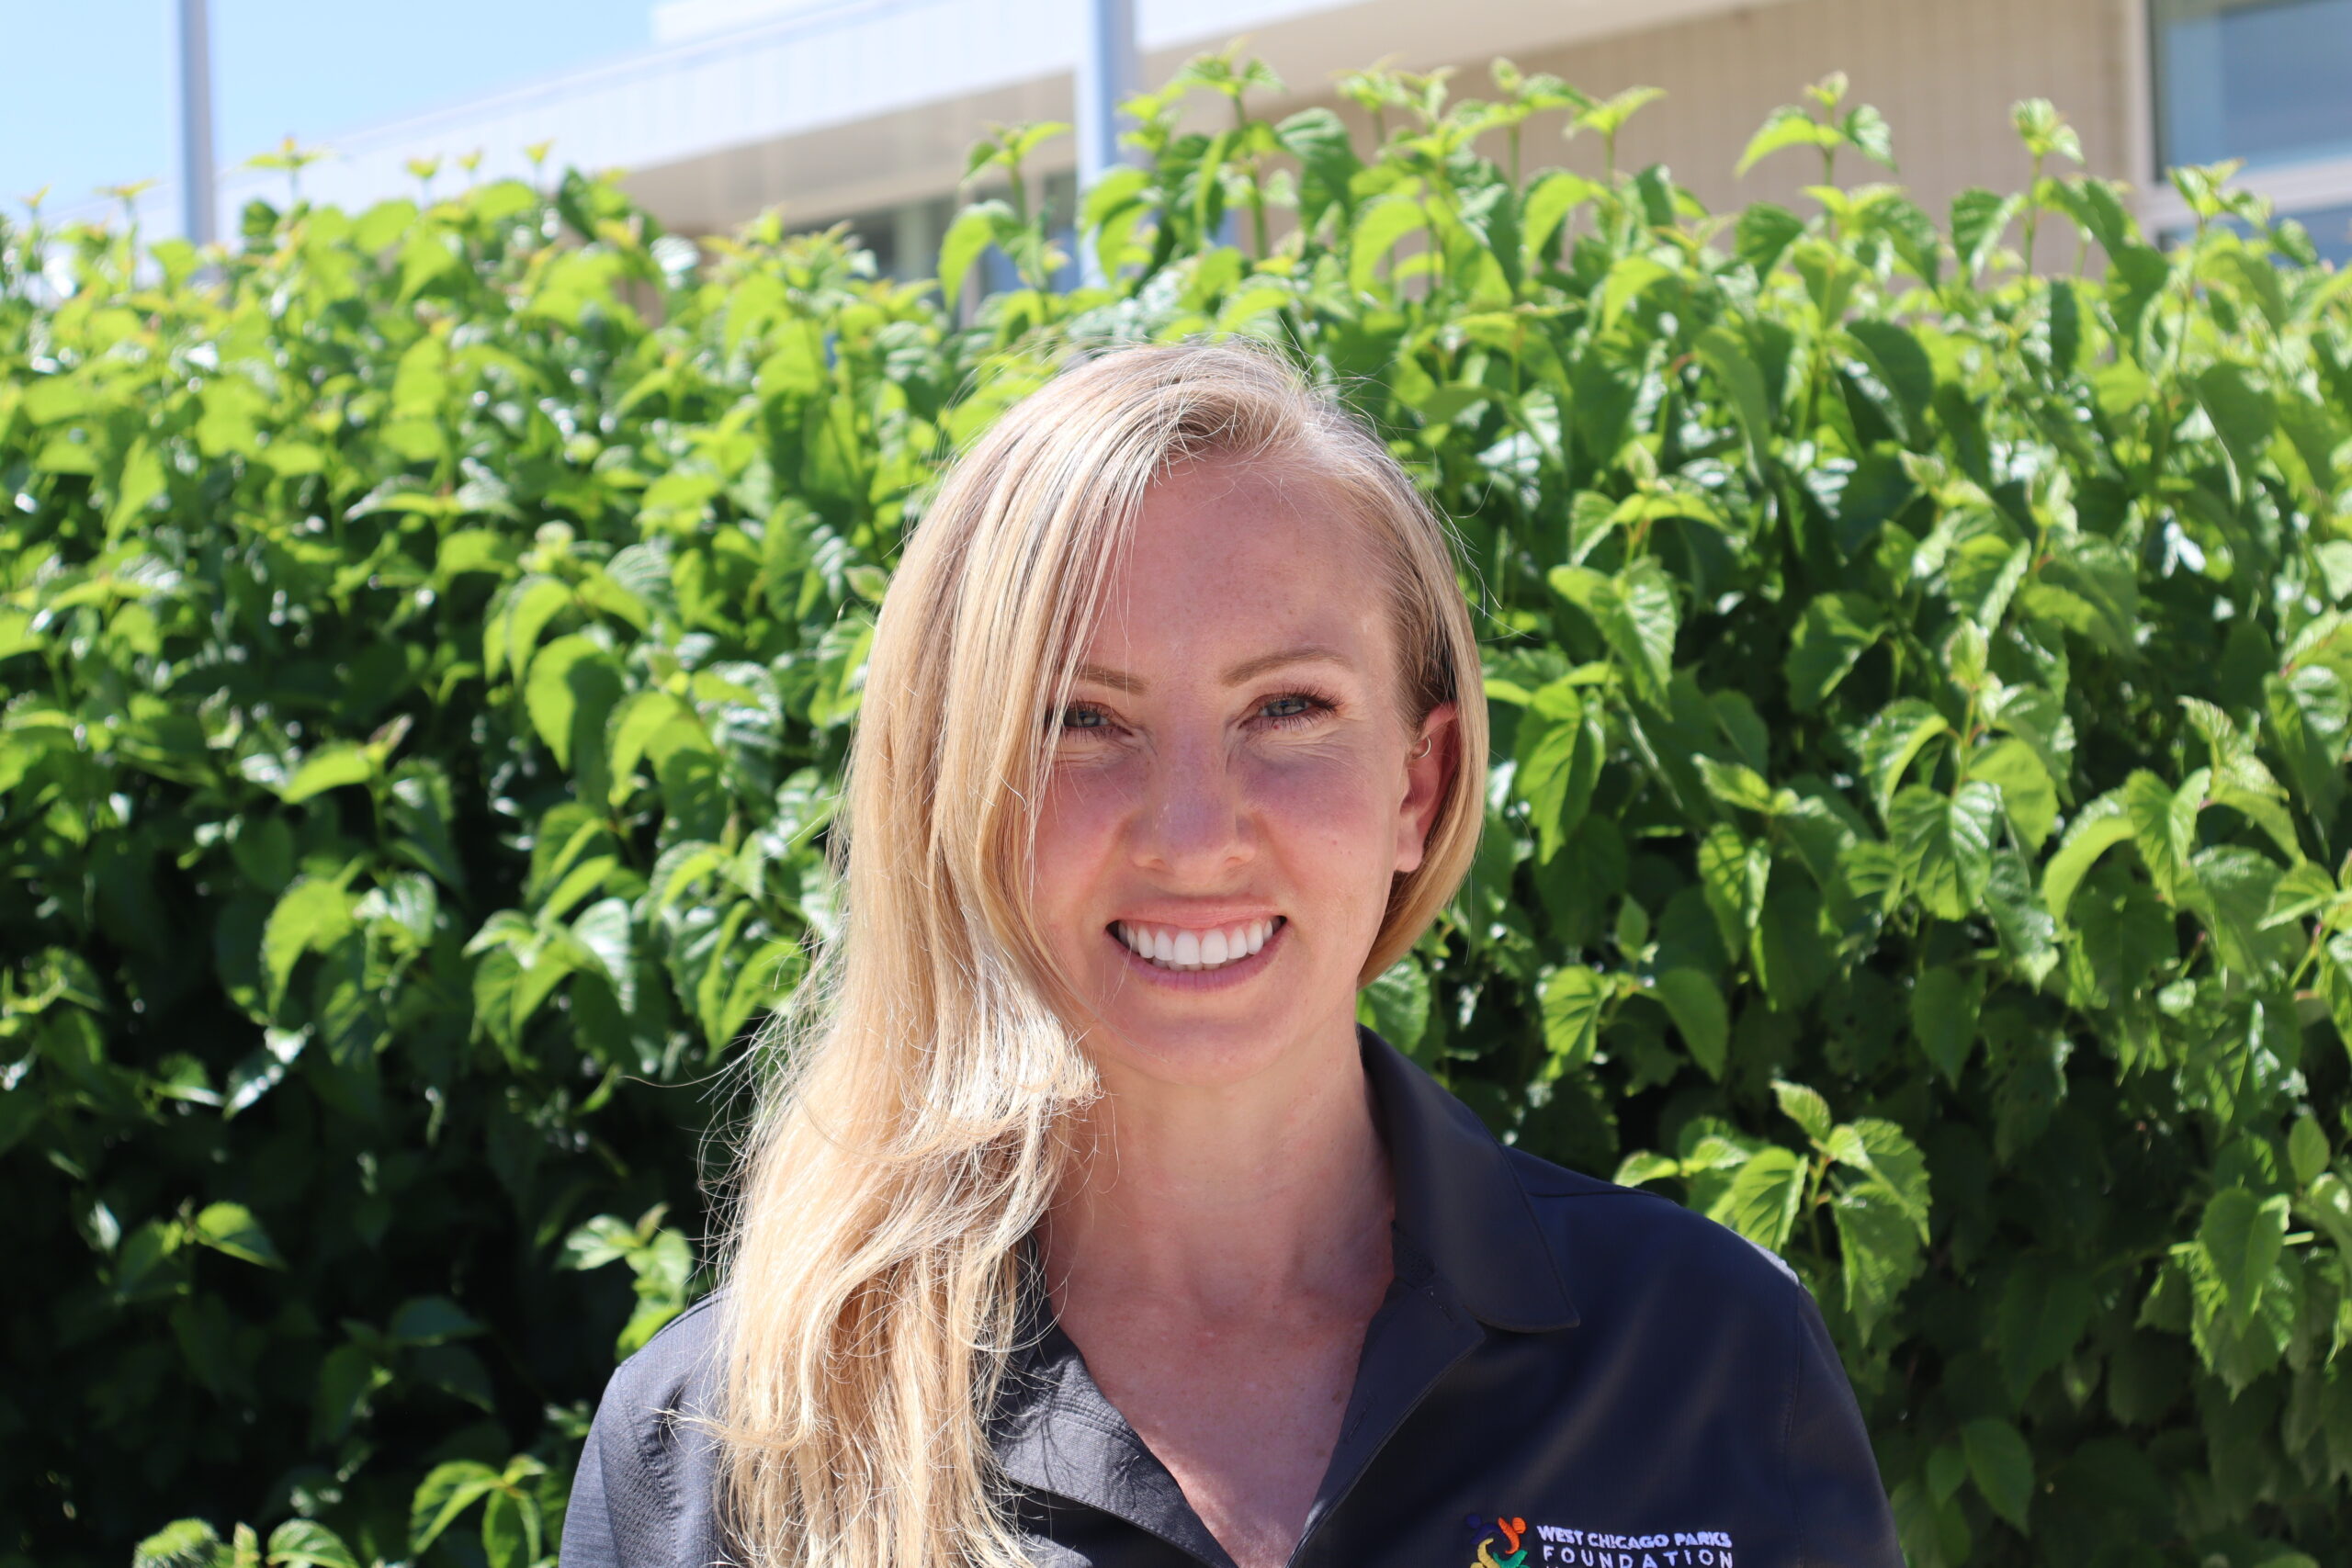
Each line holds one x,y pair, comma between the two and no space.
1428,777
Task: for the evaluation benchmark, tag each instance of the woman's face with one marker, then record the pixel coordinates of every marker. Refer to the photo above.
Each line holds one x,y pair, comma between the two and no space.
1232,787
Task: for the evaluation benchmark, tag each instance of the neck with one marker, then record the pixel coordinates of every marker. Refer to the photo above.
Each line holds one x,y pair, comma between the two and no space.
1230,1199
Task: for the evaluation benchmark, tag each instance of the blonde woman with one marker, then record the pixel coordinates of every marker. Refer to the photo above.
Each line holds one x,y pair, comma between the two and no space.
1081,1222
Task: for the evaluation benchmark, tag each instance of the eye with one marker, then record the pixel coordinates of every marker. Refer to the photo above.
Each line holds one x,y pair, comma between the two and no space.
1293,708
1084,719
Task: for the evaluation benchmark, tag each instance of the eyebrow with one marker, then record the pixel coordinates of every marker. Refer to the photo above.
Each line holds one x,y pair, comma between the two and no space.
1305,653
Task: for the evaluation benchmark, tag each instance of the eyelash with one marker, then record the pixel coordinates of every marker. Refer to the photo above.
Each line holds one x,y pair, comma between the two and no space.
1315,705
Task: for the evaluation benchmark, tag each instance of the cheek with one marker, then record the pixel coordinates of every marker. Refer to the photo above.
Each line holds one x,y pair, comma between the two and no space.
1079,823
1332,814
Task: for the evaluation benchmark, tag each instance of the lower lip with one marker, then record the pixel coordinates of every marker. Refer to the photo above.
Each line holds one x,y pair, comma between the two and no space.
1223,978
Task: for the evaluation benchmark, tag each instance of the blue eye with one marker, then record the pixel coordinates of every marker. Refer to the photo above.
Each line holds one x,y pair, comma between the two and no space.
1294,708
1079,716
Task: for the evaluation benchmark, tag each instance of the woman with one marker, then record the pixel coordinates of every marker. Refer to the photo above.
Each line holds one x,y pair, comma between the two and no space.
1082,1223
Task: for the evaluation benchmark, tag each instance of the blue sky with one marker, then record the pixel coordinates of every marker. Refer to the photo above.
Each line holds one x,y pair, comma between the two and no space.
86,95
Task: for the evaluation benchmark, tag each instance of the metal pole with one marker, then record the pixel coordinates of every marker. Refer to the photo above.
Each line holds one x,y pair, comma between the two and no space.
1109,72
197,203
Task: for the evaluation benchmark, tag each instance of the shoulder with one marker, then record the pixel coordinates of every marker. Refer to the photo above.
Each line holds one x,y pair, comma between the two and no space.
645,1493
1611,1240
675,1372
1710,1319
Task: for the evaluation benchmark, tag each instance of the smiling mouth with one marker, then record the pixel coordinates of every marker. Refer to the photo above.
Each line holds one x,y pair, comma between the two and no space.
1169,947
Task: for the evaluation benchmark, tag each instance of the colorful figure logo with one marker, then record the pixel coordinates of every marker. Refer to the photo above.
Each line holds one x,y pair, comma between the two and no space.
1514,1555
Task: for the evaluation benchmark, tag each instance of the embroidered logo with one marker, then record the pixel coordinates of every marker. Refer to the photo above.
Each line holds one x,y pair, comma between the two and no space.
1512,1531
1560,1546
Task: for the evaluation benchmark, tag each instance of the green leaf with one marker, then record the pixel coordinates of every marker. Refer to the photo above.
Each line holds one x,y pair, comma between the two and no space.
310,917
1878,1249
2027,795
2242,413
1760,1202
2230,889
1789,126
1630,276
231,1228
1806,1107
505,1541
330,767
1722,352
1763,233
306,1543
1573,998
1635,615
1734,875
1878,1148
2241,1235
1836,631
2002,1467
430,1320
2089,586
604,931
2163,827
553,696
2045,1310
1737,785
1944,844
972,232
1395,1006
1697,1007
1548,203
1378,227
1891,743
1979,218
1638,1169
444,1495
184,1543
1561,750
2098,827
1897,358
1944,1009
2307,1150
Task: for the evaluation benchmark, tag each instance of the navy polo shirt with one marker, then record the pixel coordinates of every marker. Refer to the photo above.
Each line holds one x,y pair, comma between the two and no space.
1564,1374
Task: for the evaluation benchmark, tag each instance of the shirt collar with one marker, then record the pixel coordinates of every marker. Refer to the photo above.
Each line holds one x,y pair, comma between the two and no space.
1468,1247
1461,1202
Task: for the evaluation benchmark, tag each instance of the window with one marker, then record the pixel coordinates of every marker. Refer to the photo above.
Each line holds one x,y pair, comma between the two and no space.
2268,81
2331,229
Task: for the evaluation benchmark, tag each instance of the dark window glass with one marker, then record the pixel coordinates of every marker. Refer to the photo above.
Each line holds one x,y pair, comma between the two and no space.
2268,81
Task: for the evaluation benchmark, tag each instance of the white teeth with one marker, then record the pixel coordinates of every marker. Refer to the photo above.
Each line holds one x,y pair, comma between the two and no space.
1192,951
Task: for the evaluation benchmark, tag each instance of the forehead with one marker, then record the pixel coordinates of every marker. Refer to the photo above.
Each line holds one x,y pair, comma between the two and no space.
1228,557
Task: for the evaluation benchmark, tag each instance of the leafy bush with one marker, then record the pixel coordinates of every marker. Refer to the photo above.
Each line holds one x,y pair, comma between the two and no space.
1916,833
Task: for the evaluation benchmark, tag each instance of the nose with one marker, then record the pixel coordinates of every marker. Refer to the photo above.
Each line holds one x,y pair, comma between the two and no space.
1194,825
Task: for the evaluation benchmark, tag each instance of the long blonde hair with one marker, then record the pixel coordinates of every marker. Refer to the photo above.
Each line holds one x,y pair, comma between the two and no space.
918,1085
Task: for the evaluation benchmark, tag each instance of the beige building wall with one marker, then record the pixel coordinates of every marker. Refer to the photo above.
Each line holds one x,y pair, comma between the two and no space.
1944,71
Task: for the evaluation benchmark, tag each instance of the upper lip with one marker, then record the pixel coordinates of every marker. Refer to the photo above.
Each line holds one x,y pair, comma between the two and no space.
1208,918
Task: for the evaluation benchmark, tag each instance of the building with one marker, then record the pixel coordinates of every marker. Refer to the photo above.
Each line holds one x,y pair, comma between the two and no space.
864,109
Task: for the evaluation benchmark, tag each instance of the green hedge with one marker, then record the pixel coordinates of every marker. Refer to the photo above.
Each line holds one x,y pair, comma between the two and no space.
1917,838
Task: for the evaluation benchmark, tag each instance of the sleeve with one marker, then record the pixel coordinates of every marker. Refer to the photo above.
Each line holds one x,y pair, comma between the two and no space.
1841,1513
589,1540
645,1493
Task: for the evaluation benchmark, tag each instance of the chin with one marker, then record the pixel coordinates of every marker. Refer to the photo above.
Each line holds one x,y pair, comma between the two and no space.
1192,1053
